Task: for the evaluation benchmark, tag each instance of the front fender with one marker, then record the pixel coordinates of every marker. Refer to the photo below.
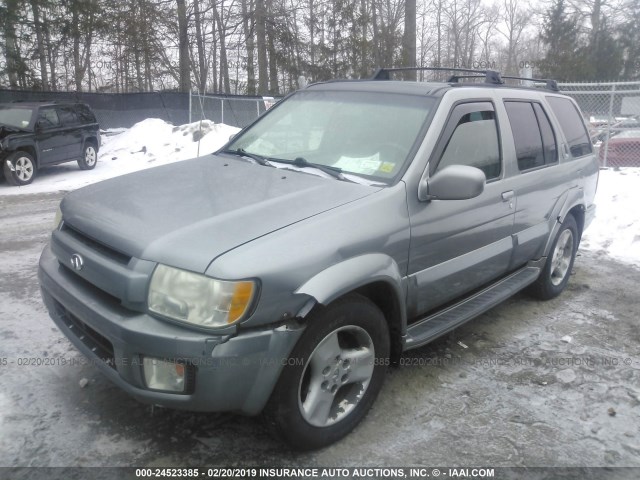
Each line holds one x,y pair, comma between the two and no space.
346,276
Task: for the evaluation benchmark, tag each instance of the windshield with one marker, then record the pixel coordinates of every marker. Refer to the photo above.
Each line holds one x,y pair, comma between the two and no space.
15,117
365,133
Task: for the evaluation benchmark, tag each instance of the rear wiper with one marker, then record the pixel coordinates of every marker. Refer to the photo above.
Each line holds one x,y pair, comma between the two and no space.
243,153
302,162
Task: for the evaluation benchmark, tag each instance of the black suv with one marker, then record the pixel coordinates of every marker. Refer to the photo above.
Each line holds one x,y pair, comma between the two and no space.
46,133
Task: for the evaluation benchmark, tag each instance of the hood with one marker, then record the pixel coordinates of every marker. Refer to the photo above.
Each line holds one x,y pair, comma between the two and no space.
6,130
186,214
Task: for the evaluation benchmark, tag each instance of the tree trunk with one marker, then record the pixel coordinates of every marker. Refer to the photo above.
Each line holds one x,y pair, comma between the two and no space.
37,25
273,60
409,38
202,65
225,85
261,40
247,25
183,48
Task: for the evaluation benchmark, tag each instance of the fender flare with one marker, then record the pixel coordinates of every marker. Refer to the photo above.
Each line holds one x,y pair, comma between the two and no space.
574,197
350,274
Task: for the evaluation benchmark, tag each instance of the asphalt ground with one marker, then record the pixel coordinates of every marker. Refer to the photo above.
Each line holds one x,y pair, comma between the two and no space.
528,384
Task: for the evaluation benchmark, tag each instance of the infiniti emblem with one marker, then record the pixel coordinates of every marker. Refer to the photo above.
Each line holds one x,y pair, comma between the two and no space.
77,262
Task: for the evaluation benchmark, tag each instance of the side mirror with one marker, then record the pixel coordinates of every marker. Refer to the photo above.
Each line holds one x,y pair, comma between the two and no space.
456,182
232,136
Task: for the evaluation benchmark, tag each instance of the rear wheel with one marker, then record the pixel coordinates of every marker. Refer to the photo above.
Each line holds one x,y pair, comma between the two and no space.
333,377
557,270
22,170
89,157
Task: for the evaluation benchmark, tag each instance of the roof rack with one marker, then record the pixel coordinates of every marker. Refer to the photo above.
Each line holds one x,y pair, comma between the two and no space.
549,84
492,77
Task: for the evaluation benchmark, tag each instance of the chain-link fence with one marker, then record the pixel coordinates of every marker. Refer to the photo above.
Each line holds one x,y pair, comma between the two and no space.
232,110
123,110
612,111
115,110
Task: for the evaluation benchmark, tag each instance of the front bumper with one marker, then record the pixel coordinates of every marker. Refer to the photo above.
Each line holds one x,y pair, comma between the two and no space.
229,373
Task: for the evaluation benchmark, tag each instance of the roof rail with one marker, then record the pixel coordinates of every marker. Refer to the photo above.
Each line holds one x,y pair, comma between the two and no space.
490,76
549,83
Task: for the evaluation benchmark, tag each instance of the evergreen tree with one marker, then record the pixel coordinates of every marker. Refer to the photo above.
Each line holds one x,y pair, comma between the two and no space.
630,42
560,34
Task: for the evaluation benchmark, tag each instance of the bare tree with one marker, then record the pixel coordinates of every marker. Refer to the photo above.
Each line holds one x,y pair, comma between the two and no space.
516,18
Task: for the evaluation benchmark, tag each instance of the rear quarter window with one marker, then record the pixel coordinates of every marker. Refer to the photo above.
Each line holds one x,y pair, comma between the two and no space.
572,125
67,116
85,115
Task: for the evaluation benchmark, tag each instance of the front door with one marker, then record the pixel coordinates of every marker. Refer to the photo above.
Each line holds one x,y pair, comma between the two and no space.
459,245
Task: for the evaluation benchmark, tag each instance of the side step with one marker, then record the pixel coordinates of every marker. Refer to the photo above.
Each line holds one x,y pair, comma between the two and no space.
433,326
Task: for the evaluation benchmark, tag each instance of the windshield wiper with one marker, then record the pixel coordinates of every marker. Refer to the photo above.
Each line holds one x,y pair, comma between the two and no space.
302,162
243,153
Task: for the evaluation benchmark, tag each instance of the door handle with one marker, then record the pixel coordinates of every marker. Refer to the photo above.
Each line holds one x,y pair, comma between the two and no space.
506,196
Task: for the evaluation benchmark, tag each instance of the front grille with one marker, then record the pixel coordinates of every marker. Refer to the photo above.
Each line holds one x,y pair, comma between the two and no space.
95,245
95,341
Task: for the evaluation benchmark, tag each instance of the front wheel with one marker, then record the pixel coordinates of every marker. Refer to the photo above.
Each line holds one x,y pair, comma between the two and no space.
22,170
338,369
557,270
89,157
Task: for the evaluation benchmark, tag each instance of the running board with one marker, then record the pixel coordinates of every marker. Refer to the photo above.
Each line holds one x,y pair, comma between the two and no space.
433,326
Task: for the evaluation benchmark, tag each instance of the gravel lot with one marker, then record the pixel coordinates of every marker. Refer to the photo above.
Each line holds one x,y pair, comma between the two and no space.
528,384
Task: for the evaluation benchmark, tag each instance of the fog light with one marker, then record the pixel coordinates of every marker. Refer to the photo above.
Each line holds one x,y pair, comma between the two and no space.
164,375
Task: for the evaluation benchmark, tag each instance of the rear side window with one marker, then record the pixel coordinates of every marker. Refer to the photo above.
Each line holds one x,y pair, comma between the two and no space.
526,135
572,125
48,118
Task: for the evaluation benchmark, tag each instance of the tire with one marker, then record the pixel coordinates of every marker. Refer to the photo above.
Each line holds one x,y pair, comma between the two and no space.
344,354
89,157
24,168
556,272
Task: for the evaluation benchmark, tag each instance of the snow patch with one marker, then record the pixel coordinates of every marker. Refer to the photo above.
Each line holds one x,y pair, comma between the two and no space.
149,143
616,229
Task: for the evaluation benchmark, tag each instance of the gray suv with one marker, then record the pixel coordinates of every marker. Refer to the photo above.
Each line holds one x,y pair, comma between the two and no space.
352,222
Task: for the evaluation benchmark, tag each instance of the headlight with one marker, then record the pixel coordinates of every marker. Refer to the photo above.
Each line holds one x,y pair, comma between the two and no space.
197,299
57,219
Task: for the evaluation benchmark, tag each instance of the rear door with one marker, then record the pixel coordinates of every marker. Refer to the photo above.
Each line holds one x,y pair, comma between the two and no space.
49,136
459,245
541,179
537,184
71,132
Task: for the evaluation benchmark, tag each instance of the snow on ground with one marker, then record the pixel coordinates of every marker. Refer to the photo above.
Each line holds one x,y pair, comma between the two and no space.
616,228
147,144
154,142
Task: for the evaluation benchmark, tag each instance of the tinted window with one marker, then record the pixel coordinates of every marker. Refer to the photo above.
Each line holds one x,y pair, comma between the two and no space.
67,116
548,138
48,118
526,134
85,115
474,142
572,125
